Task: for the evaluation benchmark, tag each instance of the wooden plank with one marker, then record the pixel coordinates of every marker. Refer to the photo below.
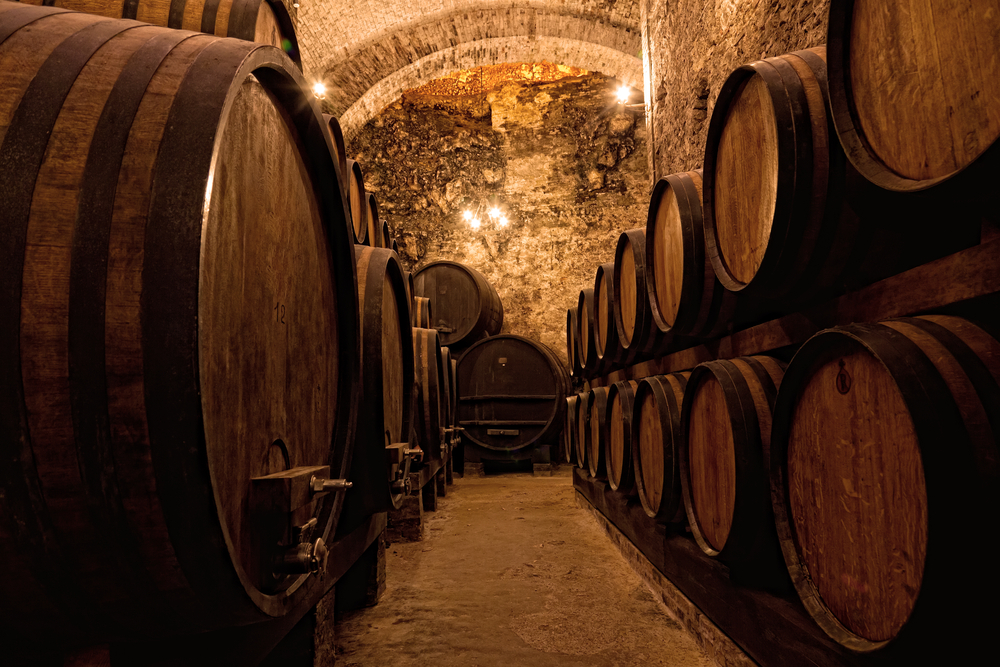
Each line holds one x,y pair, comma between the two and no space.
965,275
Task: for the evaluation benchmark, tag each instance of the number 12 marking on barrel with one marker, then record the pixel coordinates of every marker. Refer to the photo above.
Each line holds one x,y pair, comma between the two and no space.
279,313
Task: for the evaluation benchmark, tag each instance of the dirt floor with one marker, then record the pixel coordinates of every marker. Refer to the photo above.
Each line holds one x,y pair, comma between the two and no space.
511,572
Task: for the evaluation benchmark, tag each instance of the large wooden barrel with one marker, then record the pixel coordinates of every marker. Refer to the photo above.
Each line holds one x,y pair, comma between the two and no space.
610,354
262,21
597,434
569,430
573,342
386,378
373,223
726,430
513,394
429,376
618,451
582,424
339,149
422,312
656,438
357,202
637,331
587,347
777,225
146,365
884,457
466,306
914,92
685,297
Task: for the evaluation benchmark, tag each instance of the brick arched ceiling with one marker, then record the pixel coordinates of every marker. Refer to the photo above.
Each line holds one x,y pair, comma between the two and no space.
368,52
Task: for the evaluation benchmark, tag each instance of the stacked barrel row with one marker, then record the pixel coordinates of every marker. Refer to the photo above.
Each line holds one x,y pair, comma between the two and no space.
365,223
854,469
779,218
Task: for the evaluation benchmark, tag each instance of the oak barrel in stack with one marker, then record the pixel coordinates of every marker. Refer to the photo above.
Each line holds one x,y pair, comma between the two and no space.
387,371
884,470
573,342
513,396
656,441
597,435
725,440
467,308
373,224
261,21
685,297
429,376
637,331
422,312
777,225
144,378
610,354
587,348
909,118
339,149
569,430
618,451
582,424
387,240
357,202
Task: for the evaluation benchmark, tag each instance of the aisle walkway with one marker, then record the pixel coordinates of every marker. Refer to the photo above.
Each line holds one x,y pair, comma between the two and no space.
511,572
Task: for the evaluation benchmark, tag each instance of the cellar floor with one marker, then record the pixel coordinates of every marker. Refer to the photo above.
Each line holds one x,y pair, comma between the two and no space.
511,572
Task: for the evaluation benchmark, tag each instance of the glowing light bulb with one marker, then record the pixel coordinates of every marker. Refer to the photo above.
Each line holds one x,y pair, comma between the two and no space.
502,222
623,94
474,223
319,90
467,216
494,213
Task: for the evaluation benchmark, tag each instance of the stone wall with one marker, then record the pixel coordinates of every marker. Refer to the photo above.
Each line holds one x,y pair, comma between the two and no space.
689,48
565,167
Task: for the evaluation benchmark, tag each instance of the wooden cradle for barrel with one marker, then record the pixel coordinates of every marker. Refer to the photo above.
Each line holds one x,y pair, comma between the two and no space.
513,398
261,21
884,454
467,307
164,403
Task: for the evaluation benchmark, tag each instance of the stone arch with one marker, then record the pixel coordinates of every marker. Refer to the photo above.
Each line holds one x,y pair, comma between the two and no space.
494,51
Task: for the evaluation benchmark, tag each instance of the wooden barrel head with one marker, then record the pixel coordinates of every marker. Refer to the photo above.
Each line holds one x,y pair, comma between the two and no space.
466,307
373,226
668,254
854,469
357,202
582,423
924,81
618,453
602,314
712,462
746,179
625,275
597,438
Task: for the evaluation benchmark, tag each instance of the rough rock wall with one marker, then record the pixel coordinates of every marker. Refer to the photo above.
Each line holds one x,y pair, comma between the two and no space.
689,48
565,167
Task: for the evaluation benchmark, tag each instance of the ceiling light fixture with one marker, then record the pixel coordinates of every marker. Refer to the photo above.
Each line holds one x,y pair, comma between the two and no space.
319,90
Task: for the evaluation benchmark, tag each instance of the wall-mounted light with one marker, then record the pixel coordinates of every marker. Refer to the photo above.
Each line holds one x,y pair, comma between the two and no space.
319,90
493,214
623,94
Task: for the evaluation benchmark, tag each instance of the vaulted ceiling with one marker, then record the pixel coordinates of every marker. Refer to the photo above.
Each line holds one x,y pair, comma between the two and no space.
368,52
